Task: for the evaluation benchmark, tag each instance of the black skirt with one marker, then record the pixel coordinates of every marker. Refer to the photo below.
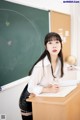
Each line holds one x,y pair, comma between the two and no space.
26,107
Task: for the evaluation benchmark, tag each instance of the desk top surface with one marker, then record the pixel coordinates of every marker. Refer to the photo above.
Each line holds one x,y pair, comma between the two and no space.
56,100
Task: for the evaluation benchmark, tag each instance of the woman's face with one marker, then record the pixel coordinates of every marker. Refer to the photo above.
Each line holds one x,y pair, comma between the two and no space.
53,47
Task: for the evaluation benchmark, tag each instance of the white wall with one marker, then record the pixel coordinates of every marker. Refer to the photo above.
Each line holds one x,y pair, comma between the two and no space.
78,32
9,101
75,31
78,41
10,97
56,5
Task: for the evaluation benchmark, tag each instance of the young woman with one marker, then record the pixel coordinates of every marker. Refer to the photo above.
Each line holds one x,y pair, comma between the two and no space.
46,72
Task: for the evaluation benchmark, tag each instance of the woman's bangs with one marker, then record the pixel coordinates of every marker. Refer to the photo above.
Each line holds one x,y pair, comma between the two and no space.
54,38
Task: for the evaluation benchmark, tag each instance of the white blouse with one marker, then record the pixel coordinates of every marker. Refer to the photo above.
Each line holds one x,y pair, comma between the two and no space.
42,76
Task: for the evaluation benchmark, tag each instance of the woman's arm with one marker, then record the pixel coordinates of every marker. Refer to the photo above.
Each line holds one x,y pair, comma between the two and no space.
35,79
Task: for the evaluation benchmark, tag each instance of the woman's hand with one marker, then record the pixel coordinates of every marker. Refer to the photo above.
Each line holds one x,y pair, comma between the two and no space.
32,95
51,88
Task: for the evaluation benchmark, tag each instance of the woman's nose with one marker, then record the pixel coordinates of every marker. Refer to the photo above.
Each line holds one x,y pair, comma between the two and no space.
54,46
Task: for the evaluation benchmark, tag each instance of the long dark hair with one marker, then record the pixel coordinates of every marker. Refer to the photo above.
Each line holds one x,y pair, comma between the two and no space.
48,38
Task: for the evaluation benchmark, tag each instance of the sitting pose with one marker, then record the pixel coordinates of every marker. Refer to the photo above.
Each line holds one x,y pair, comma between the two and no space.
45,73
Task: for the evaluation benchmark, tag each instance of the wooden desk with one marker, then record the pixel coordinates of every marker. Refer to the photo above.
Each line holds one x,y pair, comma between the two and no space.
53,108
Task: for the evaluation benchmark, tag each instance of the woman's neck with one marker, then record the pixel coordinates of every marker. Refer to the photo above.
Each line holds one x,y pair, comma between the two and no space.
54,59
54,62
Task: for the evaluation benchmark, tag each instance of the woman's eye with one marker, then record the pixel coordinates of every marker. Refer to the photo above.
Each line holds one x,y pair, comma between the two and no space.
57,41
49,42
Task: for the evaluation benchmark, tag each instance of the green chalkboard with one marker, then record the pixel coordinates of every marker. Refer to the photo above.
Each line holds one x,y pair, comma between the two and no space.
22,32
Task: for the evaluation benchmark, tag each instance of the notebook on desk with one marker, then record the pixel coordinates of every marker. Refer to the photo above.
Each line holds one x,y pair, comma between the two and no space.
64,91
65,88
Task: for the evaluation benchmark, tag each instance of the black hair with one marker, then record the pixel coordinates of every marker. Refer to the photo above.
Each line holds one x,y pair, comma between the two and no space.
48,38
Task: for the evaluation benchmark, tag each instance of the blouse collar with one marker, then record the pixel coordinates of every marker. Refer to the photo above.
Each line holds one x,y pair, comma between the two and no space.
46,62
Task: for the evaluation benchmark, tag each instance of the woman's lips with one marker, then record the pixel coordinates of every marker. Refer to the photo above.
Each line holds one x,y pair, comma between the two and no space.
54,50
